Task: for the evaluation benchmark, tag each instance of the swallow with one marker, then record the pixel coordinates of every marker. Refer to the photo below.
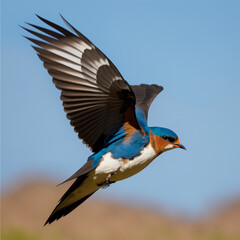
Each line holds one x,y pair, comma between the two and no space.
108,114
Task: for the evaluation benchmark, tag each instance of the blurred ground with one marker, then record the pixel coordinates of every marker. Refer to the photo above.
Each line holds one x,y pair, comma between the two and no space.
26,206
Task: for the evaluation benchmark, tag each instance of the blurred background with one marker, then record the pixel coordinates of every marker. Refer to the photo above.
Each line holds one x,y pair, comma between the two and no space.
192,49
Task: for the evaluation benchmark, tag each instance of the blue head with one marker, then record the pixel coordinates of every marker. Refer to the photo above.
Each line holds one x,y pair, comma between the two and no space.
168,138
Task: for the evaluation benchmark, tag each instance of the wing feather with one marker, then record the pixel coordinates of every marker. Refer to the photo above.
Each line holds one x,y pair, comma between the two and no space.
145,94
95,96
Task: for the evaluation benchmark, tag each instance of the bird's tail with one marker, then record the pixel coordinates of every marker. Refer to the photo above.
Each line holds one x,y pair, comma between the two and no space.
80,190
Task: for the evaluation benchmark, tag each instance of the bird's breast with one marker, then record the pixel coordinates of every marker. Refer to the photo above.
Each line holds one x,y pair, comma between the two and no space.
124,168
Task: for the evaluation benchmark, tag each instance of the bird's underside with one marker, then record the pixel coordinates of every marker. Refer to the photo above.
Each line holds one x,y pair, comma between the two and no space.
109,171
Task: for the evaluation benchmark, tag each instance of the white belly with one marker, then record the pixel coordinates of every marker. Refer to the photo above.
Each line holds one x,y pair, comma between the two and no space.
124,168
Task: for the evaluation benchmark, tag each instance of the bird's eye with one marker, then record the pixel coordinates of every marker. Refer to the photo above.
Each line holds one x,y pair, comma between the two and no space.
165,137
169,138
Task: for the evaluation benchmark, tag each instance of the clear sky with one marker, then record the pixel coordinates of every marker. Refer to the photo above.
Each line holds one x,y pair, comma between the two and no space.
191,48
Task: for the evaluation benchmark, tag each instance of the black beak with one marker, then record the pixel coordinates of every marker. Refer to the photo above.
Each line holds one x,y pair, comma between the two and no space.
180,146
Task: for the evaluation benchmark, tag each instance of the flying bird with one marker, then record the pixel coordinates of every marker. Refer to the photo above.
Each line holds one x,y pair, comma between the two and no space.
109,115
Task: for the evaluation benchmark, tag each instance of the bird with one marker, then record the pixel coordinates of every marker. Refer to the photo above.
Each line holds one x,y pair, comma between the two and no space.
107,113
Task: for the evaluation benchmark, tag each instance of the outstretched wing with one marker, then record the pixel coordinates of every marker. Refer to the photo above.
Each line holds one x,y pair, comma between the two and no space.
145,94
96,98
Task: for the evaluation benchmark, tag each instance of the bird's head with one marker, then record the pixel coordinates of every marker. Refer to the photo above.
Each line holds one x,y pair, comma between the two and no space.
164,139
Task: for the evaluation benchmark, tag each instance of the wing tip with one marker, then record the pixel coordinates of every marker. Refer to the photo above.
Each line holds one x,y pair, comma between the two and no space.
156,86
41,18
61,16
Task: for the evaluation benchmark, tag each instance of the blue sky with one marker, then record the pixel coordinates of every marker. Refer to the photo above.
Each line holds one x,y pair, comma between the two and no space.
189,47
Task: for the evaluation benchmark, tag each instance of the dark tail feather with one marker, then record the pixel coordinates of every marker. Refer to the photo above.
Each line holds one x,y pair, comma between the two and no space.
58,213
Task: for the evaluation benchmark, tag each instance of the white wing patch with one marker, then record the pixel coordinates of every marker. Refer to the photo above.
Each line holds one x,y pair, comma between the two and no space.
71,57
